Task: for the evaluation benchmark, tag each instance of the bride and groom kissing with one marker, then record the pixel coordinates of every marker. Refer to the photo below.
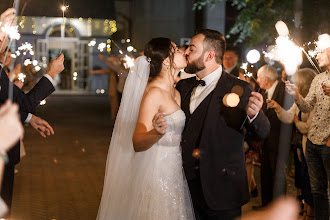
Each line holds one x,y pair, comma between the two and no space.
161,128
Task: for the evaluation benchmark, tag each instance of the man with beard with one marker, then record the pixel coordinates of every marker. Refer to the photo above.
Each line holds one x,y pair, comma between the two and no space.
212,140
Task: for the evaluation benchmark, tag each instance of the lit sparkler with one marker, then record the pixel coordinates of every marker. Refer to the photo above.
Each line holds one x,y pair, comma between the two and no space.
129,62
101,46
21,77
11,31
92,43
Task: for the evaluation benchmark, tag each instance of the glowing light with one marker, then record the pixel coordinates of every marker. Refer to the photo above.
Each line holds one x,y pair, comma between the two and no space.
64,8
196,153
32,53
35,62
27,62
75,74
92,43
128,40
102,91
121,52
74,78
37,68
130,48
244,66
323,42
287,53
21,77
253,56
129,62
312,53
97,91
13,56
231,100
12,31
18,53
26,47
43,102
101,46
282,28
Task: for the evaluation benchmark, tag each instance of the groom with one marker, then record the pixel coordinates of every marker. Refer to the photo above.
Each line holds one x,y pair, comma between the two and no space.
212,140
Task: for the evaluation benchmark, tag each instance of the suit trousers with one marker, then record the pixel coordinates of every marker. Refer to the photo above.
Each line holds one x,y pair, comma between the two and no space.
201,209
7,187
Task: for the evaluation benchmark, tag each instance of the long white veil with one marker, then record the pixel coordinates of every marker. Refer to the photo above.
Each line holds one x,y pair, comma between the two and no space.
118,174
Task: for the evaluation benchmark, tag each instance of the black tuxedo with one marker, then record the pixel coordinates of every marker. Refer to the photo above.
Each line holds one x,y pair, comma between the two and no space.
215,130
274,184
27,104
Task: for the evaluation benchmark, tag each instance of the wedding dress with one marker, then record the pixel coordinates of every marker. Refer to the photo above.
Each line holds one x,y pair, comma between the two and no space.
148,185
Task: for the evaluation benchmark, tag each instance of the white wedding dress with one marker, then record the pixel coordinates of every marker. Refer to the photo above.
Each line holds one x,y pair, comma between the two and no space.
148,185
164,193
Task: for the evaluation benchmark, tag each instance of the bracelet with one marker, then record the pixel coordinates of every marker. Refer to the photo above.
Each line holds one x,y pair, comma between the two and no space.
5,158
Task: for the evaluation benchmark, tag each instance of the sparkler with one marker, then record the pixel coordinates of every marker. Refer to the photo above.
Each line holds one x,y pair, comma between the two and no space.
129,62
63,8
21,77
101,47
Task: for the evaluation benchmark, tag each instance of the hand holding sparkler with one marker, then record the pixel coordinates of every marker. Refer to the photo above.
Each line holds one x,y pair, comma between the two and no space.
292,90
254,105
273,104
56,66
5,18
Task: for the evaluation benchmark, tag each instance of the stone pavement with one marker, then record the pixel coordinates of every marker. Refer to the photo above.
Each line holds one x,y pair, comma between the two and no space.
61,177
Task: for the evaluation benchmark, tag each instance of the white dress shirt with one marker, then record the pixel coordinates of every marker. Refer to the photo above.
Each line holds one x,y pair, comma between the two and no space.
271,90
201,92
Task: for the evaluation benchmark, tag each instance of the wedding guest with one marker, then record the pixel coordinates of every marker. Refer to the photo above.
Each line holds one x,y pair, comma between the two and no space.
273,173
302,121
318,143
27,104
10,131
230,59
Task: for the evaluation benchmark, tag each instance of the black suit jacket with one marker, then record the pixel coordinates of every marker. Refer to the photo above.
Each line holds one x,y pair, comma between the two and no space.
285,101
26,102
222,161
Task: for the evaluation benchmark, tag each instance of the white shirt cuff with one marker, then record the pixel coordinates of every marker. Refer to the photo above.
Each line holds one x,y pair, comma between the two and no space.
251,120
28,118
50,79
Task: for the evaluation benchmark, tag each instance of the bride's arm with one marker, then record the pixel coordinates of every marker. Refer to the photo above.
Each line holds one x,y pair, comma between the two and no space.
151,124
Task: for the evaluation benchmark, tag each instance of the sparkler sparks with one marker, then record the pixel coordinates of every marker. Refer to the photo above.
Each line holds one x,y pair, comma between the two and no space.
323,42
129,62
11,31
25,47
21,77
101,46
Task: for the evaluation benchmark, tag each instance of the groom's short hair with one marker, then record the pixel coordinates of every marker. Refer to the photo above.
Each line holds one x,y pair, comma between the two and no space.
214,40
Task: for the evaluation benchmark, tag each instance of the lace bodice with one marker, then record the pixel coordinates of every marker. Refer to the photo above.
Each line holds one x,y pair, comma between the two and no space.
175,125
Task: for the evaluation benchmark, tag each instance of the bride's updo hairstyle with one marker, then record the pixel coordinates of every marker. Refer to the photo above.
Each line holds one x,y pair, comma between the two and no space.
156,51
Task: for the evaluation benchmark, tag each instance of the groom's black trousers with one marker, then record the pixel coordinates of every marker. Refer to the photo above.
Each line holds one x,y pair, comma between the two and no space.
201,209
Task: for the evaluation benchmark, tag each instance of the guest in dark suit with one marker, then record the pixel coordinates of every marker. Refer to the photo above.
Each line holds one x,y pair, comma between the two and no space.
27,104
277,145
230,59
212,140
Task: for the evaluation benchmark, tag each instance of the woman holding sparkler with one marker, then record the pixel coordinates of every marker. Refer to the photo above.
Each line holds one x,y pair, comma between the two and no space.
144,178
318,143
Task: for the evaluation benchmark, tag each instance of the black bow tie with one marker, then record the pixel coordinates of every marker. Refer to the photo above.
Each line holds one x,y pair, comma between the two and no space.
199,82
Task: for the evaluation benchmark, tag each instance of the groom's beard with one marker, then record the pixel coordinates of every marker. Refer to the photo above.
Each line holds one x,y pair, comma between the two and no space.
195,66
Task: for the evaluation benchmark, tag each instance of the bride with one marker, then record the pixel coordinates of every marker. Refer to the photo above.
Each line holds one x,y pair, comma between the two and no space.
144,177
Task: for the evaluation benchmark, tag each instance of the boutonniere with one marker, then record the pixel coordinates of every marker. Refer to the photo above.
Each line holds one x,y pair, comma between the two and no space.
232,99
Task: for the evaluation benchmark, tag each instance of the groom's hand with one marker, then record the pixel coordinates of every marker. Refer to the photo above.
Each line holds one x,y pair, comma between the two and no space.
255,104
159,123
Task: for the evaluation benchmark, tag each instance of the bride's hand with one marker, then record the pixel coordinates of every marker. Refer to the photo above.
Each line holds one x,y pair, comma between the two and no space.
159,123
